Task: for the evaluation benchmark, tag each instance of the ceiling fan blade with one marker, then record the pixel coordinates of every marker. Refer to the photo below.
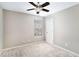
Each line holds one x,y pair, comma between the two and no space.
37,12
45,10
45,4
30,9
33,4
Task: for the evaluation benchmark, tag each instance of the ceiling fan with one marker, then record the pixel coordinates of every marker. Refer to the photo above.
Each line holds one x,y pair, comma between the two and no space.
39,7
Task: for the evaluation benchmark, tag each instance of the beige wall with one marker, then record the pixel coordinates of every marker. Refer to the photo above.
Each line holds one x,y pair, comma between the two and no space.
19,28
66,29
1,29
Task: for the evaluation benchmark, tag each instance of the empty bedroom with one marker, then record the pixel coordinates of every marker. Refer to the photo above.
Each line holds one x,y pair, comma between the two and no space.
39,29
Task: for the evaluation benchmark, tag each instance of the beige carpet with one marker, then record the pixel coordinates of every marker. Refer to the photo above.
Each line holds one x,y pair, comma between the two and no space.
36,49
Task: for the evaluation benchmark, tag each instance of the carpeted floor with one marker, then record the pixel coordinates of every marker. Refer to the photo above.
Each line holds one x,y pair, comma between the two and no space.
36,49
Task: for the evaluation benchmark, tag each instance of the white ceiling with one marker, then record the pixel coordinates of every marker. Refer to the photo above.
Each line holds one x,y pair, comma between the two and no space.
23,6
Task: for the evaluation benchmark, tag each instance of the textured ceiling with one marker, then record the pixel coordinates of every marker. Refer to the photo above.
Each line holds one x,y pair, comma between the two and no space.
23,6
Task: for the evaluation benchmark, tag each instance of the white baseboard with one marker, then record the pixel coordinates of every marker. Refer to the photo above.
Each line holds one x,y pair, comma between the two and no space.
67,50
20,46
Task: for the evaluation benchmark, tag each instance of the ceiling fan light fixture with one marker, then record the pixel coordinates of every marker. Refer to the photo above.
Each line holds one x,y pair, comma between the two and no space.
37,12
39,7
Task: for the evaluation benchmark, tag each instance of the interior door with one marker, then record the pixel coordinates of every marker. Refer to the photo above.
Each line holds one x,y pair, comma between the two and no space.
49,30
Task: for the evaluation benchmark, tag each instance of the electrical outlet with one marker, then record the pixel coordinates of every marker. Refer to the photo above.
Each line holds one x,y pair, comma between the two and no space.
66,44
